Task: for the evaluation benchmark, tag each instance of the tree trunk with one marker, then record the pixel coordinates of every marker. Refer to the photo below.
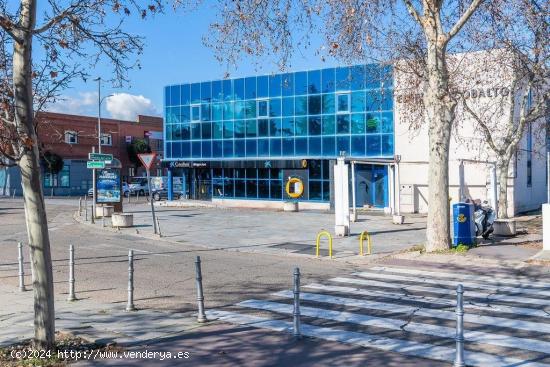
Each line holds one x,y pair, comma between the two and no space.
35,211
503,163
440,115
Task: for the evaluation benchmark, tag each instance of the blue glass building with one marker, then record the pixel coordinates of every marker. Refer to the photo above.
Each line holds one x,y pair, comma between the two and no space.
243,138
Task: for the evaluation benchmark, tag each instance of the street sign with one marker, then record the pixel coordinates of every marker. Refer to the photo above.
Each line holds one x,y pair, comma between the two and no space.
100,157
95,164
147,159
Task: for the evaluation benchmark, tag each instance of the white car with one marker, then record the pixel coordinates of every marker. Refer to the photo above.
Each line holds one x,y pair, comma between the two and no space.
138,185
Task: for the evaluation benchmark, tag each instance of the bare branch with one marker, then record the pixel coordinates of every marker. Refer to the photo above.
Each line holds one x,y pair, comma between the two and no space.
413,12
474,5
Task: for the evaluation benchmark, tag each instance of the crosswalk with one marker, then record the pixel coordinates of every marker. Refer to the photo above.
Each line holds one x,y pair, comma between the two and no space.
412,312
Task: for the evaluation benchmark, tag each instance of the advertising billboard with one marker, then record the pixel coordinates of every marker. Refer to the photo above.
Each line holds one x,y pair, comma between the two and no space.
108,186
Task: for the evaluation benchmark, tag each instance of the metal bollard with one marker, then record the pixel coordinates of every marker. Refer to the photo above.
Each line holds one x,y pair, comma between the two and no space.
86,208
71,297
459,358
137,197
129,197
130,304
296,313
201,317
21,269
14,191
80,207
158,227
103,216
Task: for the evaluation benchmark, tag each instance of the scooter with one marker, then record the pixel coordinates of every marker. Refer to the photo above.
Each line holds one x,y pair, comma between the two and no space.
484,217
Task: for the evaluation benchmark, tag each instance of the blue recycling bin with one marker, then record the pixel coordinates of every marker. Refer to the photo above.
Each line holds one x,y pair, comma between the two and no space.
464,231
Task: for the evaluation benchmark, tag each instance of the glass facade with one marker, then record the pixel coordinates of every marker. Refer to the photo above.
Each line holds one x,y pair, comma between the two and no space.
314,115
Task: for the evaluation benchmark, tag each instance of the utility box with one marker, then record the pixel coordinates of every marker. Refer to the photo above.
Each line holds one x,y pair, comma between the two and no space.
464,231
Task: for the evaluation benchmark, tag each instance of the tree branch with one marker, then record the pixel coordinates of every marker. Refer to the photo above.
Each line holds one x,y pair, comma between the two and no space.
464,18
9,27
58,18
413,12
484,128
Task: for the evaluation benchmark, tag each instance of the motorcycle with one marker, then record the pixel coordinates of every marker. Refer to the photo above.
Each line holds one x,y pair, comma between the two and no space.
484,217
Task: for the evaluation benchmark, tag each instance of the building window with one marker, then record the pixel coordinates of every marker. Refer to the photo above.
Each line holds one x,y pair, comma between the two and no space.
342,102
60,179
159,172
196,112
71,137
263,108
106,139
131,171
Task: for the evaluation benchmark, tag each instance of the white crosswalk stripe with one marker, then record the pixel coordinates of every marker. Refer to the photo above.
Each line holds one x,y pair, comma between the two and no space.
411,311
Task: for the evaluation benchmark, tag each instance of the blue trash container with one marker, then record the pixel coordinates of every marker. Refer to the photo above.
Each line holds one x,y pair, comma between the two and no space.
464,231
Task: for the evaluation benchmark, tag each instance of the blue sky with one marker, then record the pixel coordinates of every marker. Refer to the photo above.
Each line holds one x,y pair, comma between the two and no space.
173,53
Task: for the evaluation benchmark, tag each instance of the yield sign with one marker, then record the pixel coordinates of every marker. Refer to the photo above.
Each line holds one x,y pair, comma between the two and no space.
147,159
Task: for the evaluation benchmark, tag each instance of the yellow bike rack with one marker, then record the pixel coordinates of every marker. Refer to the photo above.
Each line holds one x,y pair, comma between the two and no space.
329,236
361,239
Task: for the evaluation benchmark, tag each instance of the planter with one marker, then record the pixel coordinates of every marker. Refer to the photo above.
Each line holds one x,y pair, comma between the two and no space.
107,209
122,220
504,227
290,206
398,219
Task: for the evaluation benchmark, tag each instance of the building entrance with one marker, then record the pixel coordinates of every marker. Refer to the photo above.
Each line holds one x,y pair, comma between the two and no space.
371,182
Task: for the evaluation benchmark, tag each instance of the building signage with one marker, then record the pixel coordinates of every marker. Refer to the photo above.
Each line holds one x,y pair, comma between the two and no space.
278,163
491,92
188,164
100,157
128,139
95,164
153,134
108,186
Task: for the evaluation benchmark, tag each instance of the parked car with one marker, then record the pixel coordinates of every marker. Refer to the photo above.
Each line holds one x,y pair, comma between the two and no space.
138,185
162,194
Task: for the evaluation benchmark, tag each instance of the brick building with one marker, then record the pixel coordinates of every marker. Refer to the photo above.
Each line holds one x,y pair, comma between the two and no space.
72,137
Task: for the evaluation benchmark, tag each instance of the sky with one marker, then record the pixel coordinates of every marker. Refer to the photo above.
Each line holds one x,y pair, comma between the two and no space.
173,53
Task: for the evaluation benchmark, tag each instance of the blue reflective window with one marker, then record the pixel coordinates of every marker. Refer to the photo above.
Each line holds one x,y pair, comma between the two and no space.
343,78
239,147
262,86
314,125
195,131
327,78
314,105
195,112
288,126
240,129
358,101
275,85
185,114
252,189
228,188
217,130
372,75
263,108
217,92
372,123
275,107
387,122
301,146
373,145
206,129
342,124
227,86
387,100
300,83
185,92
358,146
251,129
168,150
263,189
228,129
342,144
240,188
275,127
326,191
263,127
372,100
314,146
175,95
387,76
239,110
357,77
250,87
315,190
251,148
300,106
275,189
206,91
228,148
263,147
358,123
217,149
205,112
206,149
314,81
328,103
176,150
275,147
195,93
300,126
288,106
287,83
167,96
288,146
387,145
228,111
250,109
343,102
238,88
196,149
329,146
217,111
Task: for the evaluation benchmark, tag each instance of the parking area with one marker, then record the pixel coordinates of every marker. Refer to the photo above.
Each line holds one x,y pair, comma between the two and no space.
278,232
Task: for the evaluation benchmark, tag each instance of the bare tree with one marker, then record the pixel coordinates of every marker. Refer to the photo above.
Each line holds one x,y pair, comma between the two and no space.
39,56
520,35
418,33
